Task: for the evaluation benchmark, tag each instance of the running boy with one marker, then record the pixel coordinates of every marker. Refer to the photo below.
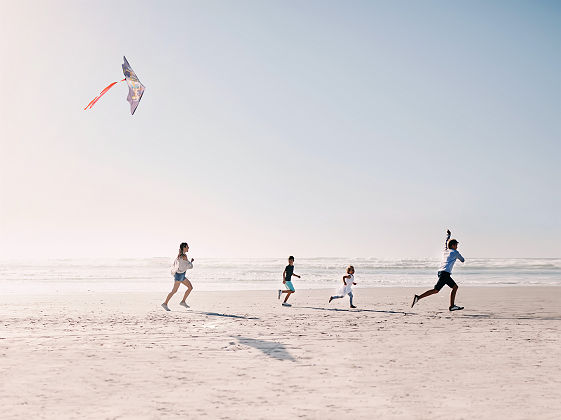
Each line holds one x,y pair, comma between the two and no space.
450,256
286,279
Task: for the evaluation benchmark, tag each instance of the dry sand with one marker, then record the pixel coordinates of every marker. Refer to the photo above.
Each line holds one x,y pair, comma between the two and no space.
243,356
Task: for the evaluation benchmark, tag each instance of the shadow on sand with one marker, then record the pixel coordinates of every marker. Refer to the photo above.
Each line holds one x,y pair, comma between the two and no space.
224,315
522,317
355,310
270,348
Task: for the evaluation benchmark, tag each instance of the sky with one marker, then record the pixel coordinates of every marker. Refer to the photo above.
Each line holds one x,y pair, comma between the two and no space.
316,128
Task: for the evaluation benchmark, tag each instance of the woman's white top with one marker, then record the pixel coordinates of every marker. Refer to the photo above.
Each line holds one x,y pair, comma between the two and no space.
184,265
181,265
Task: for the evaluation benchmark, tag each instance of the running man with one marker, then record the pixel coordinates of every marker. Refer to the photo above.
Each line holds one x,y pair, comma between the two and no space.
450,256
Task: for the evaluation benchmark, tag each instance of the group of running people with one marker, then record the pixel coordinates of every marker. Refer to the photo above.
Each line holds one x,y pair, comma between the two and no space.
182,263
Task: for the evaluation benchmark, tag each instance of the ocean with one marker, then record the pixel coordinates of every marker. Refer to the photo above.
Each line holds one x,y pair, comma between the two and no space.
60,276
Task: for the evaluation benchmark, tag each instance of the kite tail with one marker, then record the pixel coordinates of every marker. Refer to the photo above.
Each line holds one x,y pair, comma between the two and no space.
103,92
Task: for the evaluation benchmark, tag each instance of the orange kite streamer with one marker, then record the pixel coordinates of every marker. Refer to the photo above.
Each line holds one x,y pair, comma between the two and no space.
103,92
136,89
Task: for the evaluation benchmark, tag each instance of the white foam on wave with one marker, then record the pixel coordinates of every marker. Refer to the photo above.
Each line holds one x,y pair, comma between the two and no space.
152,274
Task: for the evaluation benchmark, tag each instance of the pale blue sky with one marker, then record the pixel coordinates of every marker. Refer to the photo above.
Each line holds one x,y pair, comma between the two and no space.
312,128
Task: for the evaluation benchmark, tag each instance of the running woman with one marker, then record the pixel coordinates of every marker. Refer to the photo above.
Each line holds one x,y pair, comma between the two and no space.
450,256
178,270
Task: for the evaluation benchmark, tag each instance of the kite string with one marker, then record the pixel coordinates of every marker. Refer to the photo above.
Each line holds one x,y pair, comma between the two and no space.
103,92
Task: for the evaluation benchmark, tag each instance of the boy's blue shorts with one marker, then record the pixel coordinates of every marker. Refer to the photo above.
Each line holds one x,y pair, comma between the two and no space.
289,286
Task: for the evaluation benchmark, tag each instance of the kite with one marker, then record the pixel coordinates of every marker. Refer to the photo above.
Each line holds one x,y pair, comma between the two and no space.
136,89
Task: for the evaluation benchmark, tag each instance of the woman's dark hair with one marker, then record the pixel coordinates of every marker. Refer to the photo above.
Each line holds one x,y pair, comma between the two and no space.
349,268
182,246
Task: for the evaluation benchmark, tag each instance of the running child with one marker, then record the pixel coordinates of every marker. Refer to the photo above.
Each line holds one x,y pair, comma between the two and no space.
450,256
287,280
178,270
347,289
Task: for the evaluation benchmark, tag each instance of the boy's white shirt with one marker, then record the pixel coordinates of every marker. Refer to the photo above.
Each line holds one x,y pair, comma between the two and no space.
449,257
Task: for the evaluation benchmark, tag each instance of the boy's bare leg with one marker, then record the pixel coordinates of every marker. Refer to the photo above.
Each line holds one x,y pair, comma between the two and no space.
288,293
428,293
453,295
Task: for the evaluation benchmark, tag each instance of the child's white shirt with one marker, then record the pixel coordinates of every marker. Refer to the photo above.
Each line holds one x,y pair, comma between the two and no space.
349,285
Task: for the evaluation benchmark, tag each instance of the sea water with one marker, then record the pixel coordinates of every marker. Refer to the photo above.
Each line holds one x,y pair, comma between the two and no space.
59,276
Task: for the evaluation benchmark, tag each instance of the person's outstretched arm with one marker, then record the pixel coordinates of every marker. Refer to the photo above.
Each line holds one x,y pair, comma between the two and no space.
448,234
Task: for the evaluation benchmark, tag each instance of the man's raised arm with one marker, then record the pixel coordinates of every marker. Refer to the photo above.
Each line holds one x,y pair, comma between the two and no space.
448,234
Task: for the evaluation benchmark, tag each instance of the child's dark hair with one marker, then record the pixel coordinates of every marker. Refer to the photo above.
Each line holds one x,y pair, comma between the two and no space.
349,268
291,258
452,242
182,246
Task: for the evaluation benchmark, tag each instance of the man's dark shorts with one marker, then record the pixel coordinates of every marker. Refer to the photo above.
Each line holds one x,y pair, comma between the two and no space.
444,278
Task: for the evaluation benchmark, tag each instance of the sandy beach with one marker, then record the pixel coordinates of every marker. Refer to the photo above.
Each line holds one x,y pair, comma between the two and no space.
240,355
